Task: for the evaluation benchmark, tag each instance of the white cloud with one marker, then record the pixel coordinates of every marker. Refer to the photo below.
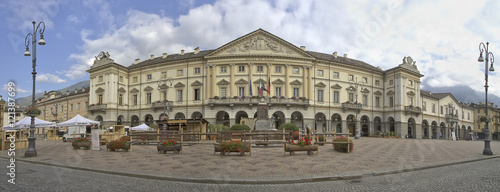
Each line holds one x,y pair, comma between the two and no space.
73,19
5,87
24,12
49,78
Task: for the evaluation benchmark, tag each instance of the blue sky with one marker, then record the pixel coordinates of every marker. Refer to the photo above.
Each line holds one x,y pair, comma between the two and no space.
442,36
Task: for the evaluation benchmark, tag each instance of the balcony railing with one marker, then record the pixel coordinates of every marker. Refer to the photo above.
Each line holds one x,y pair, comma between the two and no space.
255,101
413,110
451,117
160,105
352,106
98,107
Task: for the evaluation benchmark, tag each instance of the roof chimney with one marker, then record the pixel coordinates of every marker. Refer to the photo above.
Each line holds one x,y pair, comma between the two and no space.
196,50
335,54
345,55
182,52
137,60
303,48
152,57
164,55
67,92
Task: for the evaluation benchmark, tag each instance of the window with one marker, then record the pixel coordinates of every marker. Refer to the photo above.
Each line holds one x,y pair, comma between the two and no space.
336,97
100,99
134,79
197,94
148,98
62,109
259,69
377,82
434,108
241,68
410,100
295,70
391,101
424,106
197,70
135,99
71,107
223,69
150,76
100,79
223,92
320,72
296,92
391,82
410,82
468,116
120,99
336,75
320,95
351,77
86,105
78,106
441,109
179,95
463,115
163,75
365,80
180,72
164,96
277,69
479,126
351,97
241,91
121,78
365,100
278,92
377,101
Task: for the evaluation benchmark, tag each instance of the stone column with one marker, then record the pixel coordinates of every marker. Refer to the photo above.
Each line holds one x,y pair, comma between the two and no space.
269,78
91,91
418,131
287,81
371,128
232,121
310,84
208,82
357,128
232,86
214,80
304,84
250,74
344,126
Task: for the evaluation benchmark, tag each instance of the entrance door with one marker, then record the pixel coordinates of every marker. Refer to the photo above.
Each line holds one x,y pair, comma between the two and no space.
352,129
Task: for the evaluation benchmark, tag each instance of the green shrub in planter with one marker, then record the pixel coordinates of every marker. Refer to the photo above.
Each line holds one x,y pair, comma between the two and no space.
342,147
288,127
216,97
321,138
240,127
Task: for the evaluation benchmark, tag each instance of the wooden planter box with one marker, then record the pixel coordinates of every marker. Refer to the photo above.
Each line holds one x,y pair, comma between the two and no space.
123,148
175,148
218,148
309,148
78,145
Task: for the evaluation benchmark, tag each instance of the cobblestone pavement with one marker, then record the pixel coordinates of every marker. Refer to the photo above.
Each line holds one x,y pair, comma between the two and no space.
474,176
371,156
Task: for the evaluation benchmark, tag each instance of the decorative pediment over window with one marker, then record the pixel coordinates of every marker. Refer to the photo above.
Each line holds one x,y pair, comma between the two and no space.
320,84
223,82
99,90
365,90
410,93
241,81
260,80
351,88
121,90
377,93
391,92
196,83
336,86
296,82
179,85
164,86
148,88
134,90
278,81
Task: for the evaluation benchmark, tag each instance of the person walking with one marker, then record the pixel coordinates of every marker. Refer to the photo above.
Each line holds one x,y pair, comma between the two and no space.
441,135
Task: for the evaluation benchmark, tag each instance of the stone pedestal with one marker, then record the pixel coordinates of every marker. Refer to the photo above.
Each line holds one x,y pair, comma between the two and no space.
262,122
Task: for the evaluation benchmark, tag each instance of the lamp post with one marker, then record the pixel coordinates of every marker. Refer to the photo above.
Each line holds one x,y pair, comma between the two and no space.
484,48
31,151
55,114
165,81
355,84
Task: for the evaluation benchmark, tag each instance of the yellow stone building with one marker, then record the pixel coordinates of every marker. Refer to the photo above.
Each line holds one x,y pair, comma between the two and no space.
493,125
320,91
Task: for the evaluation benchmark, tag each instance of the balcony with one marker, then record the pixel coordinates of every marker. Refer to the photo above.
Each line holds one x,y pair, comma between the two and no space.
413,110
160,105
97,108
352,106
231,102
451,118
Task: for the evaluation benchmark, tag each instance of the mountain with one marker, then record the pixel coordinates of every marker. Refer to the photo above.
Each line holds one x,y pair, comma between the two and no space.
25,101
465,94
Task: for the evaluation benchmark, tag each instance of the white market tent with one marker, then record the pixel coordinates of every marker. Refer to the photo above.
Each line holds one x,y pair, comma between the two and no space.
78,120
141,127
26,123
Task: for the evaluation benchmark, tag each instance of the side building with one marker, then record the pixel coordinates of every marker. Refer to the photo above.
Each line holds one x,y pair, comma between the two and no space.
260,71
493,124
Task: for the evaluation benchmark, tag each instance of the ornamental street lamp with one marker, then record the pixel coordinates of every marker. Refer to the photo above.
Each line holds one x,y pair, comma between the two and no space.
483,48
162,83
54,114
31,151
355,84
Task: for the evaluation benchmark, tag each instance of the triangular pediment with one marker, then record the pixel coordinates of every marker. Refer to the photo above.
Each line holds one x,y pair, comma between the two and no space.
99,90
121,90
336,86
365,90
390,92
410,93
223,82
377,93
296,82
179,85
259,43
241,81
148,88
196,83
320,84
260,80
278,82
351,88
134,90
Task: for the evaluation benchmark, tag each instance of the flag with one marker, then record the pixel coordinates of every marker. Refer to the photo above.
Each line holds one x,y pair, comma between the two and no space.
260,88
269,86
250,88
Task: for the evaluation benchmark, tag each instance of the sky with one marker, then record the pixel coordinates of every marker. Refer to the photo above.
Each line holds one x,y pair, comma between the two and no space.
443,37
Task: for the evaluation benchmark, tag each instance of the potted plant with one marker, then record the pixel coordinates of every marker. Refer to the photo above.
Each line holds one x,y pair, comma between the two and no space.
122,143
169,145
216,97
274,97
321,140
81,142
296,135
31,111
235,97
343,144
282,97
223,97
484,119
302,144
232,146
